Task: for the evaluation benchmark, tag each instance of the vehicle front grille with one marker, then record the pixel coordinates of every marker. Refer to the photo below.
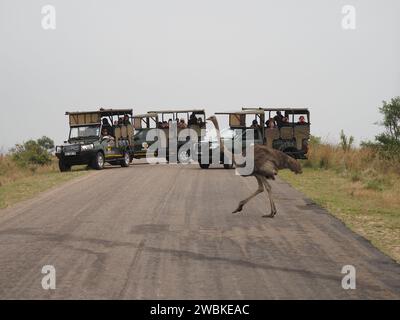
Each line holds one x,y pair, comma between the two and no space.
73,148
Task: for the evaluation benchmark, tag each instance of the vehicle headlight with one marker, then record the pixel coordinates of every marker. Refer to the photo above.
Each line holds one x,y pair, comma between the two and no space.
86,147
59,149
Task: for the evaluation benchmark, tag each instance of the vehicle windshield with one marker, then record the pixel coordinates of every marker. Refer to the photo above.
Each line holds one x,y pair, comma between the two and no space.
226,133
84,132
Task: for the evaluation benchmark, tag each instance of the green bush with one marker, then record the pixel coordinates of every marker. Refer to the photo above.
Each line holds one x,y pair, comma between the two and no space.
387,143
33,153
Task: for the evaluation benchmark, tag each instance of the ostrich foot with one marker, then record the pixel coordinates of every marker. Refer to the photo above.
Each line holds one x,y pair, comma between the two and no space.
268,216
238,209
271,215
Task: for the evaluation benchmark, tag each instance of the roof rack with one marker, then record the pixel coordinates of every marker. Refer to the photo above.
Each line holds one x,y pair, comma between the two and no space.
178,111
145,115
244,111
103,112
278,109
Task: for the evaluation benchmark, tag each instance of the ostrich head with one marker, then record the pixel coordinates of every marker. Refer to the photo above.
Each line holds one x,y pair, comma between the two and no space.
295,166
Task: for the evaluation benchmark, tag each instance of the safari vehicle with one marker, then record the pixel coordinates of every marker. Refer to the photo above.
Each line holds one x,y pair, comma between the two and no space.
161,120
97,137
142,124
291,137
240,124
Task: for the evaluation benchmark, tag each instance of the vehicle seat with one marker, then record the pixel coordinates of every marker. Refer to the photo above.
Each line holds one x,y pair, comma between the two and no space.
124,131
286,133
117,133
271,134
301,132
130,132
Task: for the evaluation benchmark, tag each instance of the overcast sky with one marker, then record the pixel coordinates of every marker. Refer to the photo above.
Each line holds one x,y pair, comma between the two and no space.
216,54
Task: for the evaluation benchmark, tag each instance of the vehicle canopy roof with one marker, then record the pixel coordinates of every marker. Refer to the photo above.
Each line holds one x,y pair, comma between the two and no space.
103,112
285,109
78,118
146,115
237,119
178,111
244,111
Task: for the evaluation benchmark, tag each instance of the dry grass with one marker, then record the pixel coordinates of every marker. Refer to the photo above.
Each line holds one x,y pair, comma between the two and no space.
358,187
20,183
358,164
10,171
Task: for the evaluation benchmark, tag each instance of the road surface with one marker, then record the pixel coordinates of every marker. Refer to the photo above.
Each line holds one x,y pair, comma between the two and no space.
167,232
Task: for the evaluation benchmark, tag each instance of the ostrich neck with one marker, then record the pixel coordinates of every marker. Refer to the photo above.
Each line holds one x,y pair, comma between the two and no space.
216,126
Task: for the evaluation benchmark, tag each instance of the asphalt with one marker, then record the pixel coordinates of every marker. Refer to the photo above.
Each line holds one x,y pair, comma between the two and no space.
167,232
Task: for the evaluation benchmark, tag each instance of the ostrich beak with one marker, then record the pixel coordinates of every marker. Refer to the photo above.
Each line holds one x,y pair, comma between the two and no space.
209,118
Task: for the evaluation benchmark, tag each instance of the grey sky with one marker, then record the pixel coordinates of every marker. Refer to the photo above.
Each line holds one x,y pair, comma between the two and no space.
219,54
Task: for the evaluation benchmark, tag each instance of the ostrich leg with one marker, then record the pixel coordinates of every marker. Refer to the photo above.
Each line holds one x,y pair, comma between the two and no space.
259,190
271,201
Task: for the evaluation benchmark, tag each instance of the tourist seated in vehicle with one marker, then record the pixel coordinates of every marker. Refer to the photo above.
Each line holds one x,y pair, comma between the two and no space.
192,119
182,124
301,121
120,121
106,135
270,123
126,120
278,118
285,122
106,125
254,124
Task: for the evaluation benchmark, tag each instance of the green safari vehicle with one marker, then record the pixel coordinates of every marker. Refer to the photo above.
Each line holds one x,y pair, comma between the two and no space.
96,138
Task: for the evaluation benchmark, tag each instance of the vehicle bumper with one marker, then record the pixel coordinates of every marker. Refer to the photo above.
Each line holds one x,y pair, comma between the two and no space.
82,157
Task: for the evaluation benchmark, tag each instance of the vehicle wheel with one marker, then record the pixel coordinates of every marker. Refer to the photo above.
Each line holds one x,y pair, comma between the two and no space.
184,156
126,161
98,161
204,165
64,167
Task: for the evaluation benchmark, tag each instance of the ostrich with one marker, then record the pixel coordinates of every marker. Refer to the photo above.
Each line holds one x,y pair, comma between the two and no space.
267,163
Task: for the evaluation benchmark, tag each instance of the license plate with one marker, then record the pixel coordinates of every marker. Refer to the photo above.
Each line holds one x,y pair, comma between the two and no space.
70,153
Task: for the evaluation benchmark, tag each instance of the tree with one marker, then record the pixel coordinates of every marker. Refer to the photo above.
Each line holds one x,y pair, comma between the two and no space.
46,143
391,122
346,142
33,152
388,143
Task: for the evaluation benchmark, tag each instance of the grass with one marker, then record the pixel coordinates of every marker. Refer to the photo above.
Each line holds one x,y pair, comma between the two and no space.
359,188
22,183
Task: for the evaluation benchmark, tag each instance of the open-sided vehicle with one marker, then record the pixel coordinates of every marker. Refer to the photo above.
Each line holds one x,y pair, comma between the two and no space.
97,137
240,125
165,120
142,124
291,136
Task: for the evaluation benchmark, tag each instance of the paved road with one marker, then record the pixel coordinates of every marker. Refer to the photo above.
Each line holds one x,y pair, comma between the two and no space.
156,232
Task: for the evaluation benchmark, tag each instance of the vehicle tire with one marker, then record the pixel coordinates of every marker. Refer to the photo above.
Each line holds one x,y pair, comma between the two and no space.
64,167
98,161
126,161
184,156
204,165
228,165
